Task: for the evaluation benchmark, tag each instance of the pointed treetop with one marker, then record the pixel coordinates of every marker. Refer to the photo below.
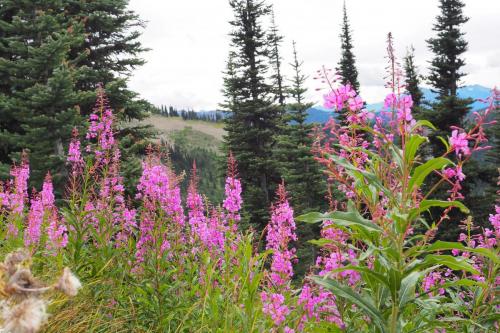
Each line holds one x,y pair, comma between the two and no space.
347,64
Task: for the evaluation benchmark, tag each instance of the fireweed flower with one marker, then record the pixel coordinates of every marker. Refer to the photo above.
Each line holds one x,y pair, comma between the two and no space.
459,143
216,232
232,202
495,220
33,231
74,154
280,232
158,189
57,233
274,307
19,188
390,101
454,172
101,129
47,193
319,304
196,210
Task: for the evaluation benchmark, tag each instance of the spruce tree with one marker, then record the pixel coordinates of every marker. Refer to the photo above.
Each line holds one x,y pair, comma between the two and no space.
347,64
63,49
297,161
113,50
275,40
301,172
253,120
449,109
446,70
413,81
38,94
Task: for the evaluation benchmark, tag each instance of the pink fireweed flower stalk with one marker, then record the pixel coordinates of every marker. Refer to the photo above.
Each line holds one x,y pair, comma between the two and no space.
275,307
318,303
232,202
42,207
280,232
110,204
19,186
15,197
33,230
217,231
196,211
57,231
101,129
162,214
75,159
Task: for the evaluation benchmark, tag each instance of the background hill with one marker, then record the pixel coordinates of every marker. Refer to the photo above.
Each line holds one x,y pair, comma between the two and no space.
318,114
192,140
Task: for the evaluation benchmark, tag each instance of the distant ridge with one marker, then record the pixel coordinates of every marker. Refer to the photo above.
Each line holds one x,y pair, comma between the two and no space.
319,114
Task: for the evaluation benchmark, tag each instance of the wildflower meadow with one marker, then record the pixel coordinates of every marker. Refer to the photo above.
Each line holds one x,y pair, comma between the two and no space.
154,262
155,202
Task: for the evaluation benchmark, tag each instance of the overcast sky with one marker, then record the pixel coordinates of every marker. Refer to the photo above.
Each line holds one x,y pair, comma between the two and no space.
189,43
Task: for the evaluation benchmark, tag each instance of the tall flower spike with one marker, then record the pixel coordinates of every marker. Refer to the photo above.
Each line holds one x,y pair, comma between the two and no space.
196,212
101,129
33,230
19,190
74,153
158,189
232,203
281,231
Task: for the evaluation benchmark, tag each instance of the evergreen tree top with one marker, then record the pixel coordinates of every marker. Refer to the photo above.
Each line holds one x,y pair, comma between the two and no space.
347,64
447,46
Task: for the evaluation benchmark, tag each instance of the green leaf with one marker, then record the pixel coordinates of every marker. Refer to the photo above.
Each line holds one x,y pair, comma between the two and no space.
351,218
408,285
443,246
445,142
454,263
412,147
373,274
320,242
422,171
426,204
370,177
422,123
365,303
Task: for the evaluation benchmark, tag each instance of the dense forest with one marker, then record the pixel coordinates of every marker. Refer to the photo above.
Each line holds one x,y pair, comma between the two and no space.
381,220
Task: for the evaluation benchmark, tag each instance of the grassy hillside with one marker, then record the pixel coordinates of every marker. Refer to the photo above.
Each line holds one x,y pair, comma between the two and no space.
193,140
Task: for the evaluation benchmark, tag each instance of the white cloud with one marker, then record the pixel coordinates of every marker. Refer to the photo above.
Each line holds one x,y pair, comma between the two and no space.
189,43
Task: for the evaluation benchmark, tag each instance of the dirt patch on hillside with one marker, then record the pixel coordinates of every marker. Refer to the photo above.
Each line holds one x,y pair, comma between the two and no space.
168,125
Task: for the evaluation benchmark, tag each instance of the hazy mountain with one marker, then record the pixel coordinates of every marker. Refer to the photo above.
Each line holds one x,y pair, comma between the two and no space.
319,114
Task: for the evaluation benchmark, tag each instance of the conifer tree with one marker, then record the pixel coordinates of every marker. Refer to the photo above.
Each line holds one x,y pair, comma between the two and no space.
347,64
413,80
275,40
74,45
113,50
445,70
253,120
449,109
300,171
297,162
37,89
